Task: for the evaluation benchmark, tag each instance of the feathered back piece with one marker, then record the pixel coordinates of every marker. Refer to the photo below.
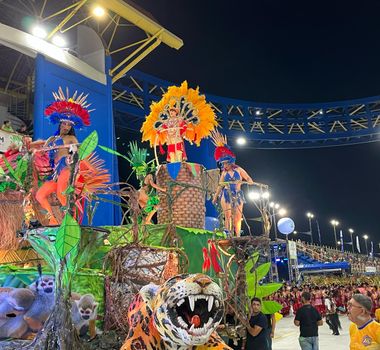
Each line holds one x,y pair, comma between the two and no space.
70,109
192,109
136,155
222,152
137,159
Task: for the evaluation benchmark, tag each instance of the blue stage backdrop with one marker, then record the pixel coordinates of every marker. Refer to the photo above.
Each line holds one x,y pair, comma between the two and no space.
49,77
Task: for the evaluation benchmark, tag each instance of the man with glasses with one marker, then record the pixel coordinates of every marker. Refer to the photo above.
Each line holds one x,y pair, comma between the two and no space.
364,331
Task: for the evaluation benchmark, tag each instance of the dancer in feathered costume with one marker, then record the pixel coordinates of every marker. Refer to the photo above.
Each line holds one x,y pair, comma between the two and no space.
148,198
69,113
181,114
229,190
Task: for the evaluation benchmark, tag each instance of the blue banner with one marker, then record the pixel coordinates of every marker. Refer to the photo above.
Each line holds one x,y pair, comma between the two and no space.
173,169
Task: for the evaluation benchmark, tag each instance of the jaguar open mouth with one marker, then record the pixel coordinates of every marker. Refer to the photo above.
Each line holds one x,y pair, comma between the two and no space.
196,313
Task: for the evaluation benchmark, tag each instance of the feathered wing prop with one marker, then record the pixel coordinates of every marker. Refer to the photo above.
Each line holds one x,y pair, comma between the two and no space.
193,109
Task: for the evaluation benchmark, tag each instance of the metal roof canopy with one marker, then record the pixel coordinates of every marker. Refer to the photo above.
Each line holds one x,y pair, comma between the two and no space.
63,16
265,125
154,31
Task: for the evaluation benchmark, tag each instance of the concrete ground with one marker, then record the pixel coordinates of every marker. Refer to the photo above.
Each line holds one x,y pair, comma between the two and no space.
286,336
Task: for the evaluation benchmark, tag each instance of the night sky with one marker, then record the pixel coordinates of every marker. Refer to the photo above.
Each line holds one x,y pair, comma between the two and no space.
289,52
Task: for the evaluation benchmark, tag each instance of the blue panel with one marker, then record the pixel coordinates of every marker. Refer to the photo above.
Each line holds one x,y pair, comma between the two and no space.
49,77
325,266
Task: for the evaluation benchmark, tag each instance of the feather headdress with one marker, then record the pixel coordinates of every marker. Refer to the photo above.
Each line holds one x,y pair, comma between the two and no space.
222,152
70,109
191,108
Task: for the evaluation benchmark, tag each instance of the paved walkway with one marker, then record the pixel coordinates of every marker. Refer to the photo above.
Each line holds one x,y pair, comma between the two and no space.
286,336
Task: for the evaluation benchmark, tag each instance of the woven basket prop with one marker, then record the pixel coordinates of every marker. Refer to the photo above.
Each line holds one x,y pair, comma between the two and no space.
133,267
11,216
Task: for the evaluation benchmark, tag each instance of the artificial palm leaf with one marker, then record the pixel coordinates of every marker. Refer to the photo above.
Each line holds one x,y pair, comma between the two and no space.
116,153
68,236
88,145
269,307
265,290
258,274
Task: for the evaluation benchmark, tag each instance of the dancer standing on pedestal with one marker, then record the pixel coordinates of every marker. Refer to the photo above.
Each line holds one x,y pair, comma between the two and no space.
229,190
181,114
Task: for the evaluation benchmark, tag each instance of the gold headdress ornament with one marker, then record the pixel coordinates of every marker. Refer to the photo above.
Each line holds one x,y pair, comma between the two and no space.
218,139
192,109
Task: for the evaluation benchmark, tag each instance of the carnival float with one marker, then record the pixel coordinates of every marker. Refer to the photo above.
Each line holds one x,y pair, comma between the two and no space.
164,278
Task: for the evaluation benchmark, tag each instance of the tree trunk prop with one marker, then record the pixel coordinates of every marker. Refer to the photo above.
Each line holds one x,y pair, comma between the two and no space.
59,332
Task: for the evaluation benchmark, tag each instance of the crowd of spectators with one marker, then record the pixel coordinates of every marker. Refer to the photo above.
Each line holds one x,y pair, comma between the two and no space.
338,289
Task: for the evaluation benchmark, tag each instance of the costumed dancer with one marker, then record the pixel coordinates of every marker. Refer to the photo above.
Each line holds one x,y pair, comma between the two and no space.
229,190
296,299
175,127
69,113
148,199
181,114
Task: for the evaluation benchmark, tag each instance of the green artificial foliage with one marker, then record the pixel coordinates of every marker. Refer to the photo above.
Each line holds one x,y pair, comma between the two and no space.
16,177
65,249
254,274
88,145
269,307
11,171
21,168
116,153
136,157
68,236
257,274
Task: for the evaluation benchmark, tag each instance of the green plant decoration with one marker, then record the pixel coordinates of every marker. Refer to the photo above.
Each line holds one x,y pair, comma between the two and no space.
116,153
17,177
65,249
58,332
88,145
254,289
68,236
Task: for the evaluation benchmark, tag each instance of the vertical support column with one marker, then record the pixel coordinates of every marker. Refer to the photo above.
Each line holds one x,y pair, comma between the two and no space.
49,77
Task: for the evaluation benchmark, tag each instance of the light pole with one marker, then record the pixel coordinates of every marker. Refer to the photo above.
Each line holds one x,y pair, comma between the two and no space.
319,232
274,207
366,244
310,216
352,240
335,223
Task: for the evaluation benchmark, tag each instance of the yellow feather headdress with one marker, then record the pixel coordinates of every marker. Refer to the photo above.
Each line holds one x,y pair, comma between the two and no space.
192,108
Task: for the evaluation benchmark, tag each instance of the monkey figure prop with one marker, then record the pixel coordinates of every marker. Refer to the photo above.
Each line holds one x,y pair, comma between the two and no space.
13,306
43,303
84,314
